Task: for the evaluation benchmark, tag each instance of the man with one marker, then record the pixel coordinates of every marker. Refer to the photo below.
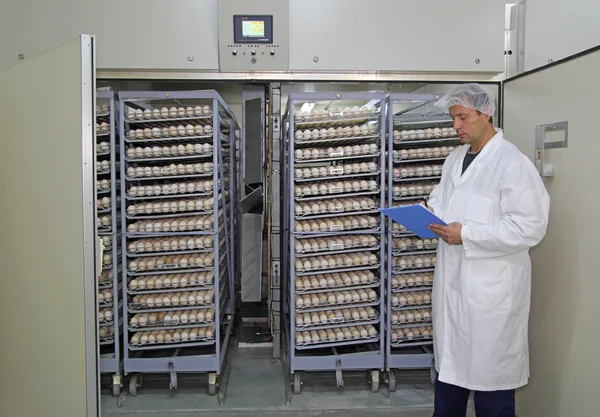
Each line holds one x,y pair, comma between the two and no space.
496,208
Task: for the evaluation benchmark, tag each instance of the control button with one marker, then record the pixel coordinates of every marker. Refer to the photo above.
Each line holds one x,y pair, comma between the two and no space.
234,52
253,52
272,52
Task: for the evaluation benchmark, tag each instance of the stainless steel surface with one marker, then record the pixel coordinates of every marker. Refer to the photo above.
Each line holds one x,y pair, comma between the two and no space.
252,228
88,145
308,76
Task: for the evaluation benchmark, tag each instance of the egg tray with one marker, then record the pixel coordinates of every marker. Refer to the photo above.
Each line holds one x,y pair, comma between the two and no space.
414,341
344,342
171,325
104,323
177,139
410,197
339,322
336,138
191,286
103,191
397,252
169,215
407,160
100,133
166,121
334,119
221,235
410,288
207,201
337,193
426,264
362,286
414,306
170,269
408,179
103,171
187,251
422,154
140,308
337,176
337,157
331,214
202,155
105,285
333,250
410,325
413,248
179,344
108,340
426,140
340,228
204,193
337,306
329,270
179,232
202,174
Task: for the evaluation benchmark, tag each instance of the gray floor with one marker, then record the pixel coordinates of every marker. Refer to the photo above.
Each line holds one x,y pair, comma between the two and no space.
256,388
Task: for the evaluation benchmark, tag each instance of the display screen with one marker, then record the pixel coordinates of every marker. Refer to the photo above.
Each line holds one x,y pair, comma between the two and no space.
253,29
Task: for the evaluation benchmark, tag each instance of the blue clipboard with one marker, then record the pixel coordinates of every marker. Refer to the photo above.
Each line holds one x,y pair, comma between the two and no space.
415,218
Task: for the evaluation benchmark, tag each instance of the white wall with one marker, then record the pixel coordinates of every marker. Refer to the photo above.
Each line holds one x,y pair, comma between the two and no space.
556,29
346,35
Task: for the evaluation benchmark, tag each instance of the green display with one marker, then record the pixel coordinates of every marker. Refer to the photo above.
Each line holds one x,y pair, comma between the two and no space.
253,29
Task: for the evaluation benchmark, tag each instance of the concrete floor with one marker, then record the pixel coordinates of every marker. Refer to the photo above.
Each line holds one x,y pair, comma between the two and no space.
256,388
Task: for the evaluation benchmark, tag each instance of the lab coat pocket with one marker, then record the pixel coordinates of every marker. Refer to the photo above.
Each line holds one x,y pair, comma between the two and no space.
478,209
490,283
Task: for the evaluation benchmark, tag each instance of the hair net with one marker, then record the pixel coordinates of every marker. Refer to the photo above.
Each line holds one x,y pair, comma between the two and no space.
472,96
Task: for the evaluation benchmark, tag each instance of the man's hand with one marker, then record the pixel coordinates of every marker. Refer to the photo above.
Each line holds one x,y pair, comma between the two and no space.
450,234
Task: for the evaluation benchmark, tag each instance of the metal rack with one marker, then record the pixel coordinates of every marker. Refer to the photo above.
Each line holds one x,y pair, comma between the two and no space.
179,164
333,239
108,209
419,140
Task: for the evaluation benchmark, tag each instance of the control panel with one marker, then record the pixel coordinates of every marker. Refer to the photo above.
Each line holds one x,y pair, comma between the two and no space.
253,35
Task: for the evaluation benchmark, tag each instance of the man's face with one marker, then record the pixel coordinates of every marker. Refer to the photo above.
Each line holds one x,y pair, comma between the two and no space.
469,124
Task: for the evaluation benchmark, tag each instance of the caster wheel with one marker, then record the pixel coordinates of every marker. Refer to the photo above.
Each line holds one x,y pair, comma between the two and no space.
134,383
391,381
433,375
374,381
212,384
297,383
116,385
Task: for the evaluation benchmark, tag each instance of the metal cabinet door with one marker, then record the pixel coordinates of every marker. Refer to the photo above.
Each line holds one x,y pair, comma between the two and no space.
563,326
48,326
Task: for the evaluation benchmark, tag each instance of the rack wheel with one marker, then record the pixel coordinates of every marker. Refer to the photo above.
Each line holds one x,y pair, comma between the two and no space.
135,382
297,383
172,377
374,380
391,380
433,375
116,385
212,384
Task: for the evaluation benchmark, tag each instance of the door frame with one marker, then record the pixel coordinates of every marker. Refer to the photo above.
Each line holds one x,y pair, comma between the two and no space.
92,247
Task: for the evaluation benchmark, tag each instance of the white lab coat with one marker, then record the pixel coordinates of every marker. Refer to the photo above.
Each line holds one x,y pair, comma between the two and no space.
481,289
